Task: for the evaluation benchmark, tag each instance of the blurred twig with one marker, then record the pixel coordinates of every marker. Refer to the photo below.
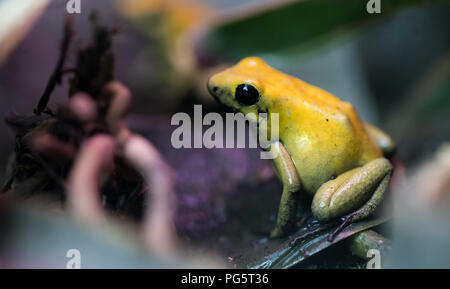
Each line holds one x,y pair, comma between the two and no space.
56,77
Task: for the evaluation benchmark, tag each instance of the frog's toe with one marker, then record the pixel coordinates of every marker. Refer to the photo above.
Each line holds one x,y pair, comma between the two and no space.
277,233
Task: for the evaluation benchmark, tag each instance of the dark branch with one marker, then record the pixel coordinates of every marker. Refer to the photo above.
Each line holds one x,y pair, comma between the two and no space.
56,77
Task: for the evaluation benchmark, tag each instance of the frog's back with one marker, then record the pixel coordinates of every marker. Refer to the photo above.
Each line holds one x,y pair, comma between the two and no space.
323,134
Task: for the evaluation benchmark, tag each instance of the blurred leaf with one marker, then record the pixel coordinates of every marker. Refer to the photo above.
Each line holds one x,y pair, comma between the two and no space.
167,67
291,26
422,215
33,239
289,255
180,14
438,100
421,121
17,18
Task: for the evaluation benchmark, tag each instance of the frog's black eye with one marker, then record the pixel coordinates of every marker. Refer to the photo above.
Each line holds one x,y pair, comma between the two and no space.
246,94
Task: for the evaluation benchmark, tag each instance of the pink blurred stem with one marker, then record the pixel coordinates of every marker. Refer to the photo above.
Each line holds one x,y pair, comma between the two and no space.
95,157
158,228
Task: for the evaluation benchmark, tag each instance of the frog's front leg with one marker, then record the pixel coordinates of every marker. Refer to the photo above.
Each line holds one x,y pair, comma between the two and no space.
354,194
287,173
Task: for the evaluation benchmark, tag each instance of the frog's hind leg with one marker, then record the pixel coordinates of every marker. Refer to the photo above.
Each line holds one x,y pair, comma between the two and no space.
354,194
382,139
365,210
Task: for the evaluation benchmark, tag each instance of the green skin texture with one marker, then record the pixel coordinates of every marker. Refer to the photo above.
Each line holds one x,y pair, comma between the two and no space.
348,192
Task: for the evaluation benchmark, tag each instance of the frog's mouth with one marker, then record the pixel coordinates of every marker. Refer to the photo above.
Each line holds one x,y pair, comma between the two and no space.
215,91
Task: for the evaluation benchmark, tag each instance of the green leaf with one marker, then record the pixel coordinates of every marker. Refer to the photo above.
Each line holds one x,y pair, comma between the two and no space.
298,26
290,254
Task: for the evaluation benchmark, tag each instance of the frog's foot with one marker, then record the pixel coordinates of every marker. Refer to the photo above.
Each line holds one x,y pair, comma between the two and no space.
354,194
311,233
345,222
277,233
282,231
286,216
284,228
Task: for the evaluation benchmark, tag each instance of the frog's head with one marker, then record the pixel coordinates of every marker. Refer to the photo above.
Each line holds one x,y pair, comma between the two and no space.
241,86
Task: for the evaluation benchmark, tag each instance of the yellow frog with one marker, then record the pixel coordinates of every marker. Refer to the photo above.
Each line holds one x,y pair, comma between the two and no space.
324,148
